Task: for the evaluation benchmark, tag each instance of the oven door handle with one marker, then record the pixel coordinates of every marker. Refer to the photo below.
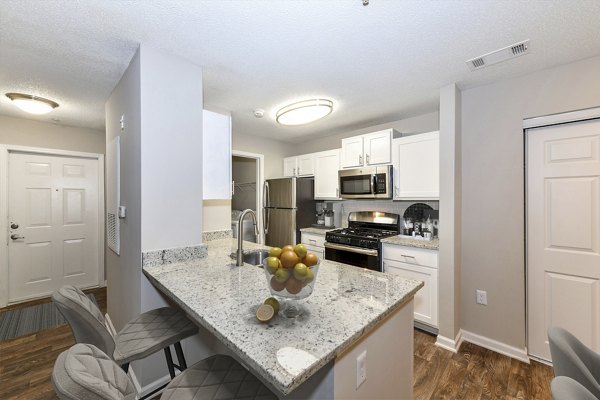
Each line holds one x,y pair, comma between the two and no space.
351,249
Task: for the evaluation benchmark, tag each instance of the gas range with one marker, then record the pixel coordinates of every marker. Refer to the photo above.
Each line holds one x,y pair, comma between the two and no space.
360,237
359,244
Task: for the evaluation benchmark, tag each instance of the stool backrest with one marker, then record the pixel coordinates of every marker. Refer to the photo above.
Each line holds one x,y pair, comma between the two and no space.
85,372
84,317
572,358
565,388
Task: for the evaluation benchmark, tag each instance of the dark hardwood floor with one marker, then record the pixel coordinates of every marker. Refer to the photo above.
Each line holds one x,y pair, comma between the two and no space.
26,362
472,373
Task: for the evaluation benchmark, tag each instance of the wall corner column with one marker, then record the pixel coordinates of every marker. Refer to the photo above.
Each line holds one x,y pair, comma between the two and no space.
450,218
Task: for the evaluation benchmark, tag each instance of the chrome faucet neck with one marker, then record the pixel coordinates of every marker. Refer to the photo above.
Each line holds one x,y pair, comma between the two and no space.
240,234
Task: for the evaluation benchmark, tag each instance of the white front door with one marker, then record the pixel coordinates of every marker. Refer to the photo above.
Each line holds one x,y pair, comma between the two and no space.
563,233
53,224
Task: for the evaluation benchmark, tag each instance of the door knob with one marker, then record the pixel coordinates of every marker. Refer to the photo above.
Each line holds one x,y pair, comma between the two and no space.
14,236
14,226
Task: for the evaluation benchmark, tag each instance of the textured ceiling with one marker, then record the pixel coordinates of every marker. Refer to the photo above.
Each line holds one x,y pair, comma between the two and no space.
378,63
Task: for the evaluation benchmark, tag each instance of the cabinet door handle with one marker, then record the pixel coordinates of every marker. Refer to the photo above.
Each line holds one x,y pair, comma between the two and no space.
312,242
360,159
337,192
407,256
367,159
294,172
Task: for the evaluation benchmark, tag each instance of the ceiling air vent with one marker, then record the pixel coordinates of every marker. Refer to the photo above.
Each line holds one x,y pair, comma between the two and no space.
506,53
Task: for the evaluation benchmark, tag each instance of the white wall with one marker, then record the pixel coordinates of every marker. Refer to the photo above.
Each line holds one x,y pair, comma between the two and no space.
273,150
26,132
161,182
171,160
124,271
492,188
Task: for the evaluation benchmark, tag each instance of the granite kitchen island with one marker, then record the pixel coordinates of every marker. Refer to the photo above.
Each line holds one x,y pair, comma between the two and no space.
351,311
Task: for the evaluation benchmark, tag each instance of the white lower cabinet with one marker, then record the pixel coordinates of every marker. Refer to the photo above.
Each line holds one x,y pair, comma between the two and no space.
419,264
314,244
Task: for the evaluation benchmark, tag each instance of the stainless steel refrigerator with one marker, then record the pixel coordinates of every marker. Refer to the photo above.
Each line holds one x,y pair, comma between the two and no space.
288,206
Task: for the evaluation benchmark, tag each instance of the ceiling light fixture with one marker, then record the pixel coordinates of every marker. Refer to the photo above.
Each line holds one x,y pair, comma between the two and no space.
32,104
304,112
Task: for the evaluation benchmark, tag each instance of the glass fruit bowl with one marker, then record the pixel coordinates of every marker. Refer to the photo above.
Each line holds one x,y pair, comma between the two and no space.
289,285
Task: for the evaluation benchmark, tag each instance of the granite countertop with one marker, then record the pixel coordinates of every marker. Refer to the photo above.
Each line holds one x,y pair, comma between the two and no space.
402,240
346,302
317,231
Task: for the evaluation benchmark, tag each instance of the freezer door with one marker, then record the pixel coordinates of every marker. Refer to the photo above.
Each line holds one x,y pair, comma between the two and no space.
281,193
281,228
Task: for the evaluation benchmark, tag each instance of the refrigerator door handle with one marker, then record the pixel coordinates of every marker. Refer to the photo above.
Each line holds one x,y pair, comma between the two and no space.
266,196
266,219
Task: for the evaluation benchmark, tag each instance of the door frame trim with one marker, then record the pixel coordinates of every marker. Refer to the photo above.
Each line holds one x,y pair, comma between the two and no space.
260,181
5,150
561,118
529,125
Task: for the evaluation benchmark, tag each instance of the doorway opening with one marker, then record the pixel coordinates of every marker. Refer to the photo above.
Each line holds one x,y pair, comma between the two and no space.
248,178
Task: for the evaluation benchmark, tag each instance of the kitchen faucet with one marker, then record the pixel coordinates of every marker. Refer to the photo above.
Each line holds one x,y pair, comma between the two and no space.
240,233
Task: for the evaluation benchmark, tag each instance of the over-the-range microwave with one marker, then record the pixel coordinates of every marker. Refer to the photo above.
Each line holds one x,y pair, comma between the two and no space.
366,183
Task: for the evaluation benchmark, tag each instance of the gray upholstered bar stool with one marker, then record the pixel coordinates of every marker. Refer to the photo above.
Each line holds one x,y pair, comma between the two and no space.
565,388
150,332
85,372
572,358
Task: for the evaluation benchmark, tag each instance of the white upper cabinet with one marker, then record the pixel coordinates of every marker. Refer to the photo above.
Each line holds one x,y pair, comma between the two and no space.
216,155
417,167
352,152
327,164
290,165
299,165
306,165
370,149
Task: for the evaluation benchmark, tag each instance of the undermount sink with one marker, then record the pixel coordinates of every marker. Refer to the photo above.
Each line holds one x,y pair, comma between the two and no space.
254,257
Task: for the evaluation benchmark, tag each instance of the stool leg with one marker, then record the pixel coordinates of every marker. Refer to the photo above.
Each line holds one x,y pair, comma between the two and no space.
180,357
170,362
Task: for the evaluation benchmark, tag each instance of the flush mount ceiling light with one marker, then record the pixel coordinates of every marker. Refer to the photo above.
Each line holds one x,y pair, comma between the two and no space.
304,112
32,104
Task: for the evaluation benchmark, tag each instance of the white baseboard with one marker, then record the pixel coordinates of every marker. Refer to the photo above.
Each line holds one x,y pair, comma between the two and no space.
450,344
141,391
494,345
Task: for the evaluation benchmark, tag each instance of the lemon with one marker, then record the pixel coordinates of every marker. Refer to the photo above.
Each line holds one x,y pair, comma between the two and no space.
265,313
272,301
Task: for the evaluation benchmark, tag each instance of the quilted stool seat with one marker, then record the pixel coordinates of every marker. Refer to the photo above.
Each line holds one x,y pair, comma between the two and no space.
148,333
84,372
217,377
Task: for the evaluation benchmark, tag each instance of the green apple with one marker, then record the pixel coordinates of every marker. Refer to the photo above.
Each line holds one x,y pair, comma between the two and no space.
282,275
310,276
300,271
272,264
275,252
300,250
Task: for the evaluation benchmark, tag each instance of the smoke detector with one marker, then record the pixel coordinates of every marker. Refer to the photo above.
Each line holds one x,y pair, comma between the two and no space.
259,113
495,57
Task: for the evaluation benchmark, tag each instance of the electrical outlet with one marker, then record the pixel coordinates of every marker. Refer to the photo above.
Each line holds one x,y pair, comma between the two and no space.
482,297
361,368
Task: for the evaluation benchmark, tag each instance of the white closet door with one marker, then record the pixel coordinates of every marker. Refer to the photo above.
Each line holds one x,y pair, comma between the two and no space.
53,224
563,233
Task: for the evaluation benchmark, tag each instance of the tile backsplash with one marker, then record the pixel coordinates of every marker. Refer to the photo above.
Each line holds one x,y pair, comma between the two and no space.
342,208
